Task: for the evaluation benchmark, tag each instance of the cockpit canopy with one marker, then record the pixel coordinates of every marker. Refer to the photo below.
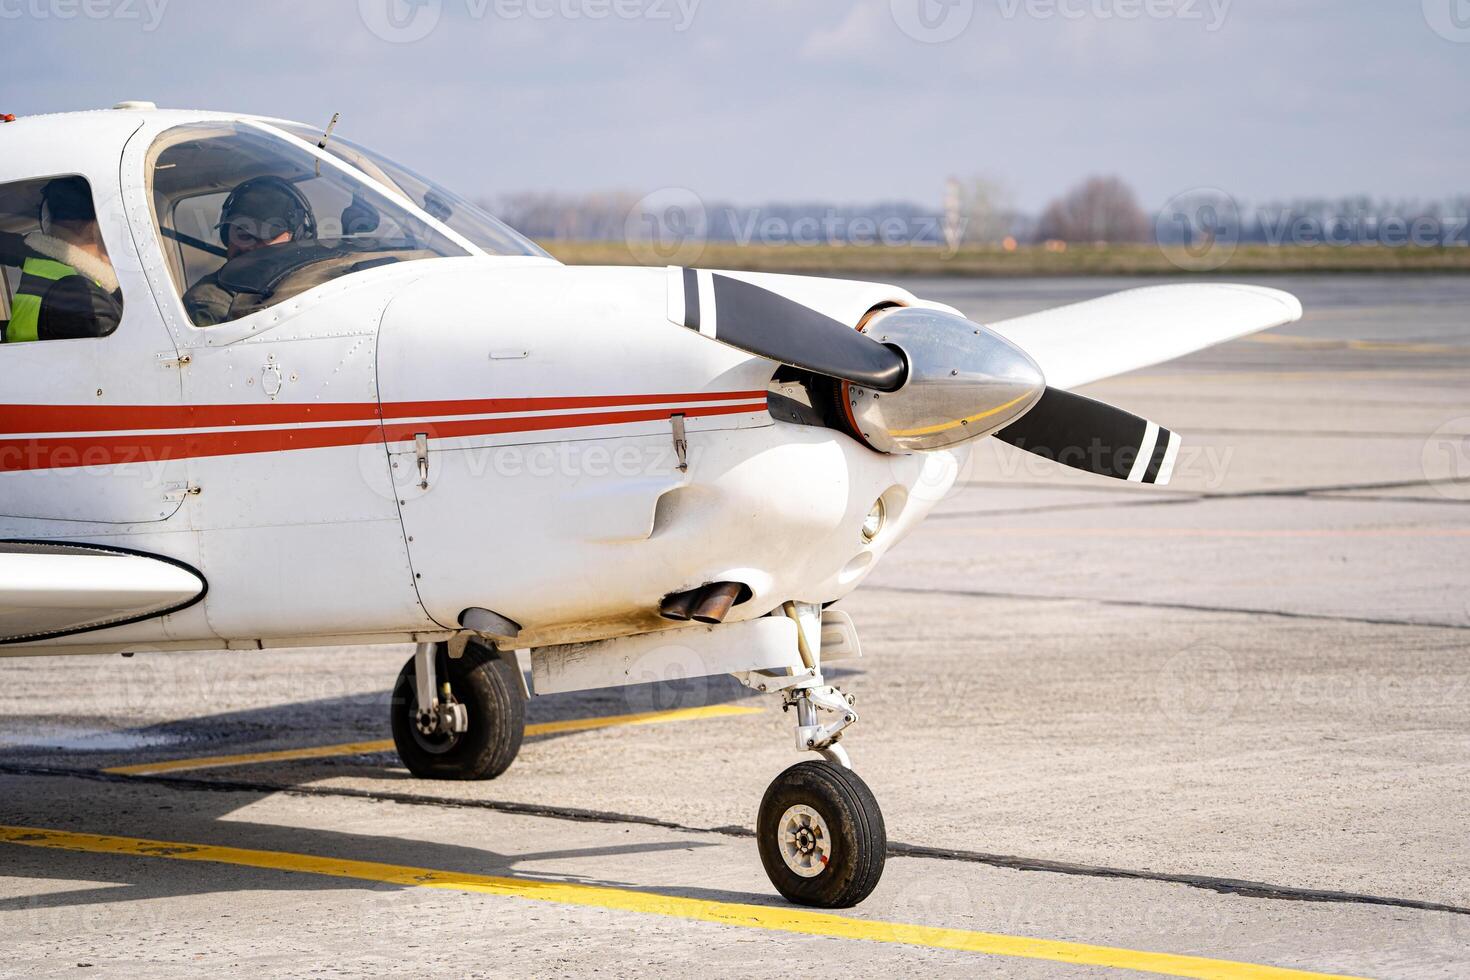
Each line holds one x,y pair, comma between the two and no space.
485,232
249,218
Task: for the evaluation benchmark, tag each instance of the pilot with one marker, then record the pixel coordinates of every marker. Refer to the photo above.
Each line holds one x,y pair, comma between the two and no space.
260,213
67,288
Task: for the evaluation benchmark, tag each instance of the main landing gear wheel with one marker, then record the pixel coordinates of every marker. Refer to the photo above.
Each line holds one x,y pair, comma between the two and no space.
484,684
821,836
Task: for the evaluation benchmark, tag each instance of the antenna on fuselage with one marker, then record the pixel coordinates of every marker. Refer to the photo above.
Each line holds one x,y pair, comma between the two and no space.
321,144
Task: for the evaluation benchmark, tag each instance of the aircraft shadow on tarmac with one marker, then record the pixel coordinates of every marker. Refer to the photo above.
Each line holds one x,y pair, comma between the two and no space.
132,879
194,809
93,744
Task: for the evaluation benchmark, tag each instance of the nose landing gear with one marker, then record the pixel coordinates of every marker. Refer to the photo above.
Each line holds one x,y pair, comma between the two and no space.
819,829
458,717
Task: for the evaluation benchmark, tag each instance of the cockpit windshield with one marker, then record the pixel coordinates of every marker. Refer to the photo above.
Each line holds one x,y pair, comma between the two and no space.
249,219
463,216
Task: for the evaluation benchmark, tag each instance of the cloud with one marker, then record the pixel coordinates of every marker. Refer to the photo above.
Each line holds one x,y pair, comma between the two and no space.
857,36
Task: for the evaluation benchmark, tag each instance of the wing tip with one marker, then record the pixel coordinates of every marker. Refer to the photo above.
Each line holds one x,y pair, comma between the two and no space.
1291,306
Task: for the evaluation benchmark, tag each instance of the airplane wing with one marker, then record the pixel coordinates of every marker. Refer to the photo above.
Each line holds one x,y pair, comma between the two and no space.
49,589
1136,328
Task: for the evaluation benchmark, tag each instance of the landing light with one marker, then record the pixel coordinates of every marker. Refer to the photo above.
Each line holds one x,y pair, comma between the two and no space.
873,523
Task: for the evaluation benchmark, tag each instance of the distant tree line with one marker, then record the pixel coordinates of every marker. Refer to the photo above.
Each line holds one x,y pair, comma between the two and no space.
1099,209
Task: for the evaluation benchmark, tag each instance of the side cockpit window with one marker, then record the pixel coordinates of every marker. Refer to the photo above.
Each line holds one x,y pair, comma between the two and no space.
249,219
58,283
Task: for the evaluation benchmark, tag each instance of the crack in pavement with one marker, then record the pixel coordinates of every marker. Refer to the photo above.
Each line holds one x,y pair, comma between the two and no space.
1309,433
1146,604
1238,887
1055,508
1194,497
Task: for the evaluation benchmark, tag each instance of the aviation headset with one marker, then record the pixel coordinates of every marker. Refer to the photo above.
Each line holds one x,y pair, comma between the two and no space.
65,199
300,220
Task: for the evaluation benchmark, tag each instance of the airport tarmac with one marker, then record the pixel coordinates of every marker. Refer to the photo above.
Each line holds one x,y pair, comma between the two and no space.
1219,729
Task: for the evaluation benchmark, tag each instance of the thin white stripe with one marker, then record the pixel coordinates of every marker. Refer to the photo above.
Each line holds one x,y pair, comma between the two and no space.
1166,468
593,410
1145,453
706,303
572,413
752,408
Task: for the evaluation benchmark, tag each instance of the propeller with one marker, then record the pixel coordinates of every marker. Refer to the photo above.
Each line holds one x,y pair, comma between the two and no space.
1096,437
1058,425
765,323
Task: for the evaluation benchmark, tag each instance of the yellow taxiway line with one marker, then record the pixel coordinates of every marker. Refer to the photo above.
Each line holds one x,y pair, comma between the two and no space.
779,919
386,745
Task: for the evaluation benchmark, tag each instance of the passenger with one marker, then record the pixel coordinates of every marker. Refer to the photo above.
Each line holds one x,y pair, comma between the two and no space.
68,288
260,213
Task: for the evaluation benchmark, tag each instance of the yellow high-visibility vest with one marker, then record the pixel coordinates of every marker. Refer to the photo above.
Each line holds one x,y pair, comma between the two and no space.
36,276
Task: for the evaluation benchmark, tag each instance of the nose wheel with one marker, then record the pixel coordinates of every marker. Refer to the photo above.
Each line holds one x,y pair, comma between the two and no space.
819,829
821,835
469,719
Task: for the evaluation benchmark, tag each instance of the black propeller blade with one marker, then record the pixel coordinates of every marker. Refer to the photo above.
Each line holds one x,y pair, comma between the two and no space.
761,322
1096,437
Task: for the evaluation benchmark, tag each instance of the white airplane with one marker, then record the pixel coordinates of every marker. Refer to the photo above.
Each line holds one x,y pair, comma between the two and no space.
282,392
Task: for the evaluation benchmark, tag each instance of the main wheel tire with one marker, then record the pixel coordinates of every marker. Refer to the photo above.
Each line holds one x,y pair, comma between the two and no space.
485,682
821,836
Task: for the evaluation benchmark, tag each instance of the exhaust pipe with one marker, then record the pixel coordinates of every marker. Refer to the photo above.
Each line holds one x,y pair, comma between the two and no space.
679,606
708,604
715,601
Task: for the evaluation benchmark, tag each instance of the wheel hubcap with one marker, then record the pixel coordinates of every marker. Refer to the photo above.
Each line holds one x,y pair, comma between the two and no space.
806,844
429,733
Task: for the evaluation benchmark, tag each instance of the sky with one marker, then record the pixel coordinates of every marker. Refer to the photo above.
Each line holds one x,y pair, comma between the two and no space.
749,101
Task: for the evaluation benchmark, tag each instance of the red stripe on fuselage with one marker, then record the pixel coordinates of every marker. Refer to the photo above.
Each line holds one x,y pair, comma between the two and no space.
112,418
102,450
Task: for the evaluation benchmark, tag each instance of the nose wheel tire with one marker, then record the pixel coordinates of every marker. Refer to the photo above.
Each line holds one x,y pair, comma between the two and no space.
821,836
486,685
